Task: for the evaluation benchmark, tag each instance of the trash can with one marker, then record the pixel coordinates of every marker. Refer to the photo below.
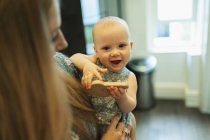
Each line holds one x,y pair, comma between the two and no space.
144,68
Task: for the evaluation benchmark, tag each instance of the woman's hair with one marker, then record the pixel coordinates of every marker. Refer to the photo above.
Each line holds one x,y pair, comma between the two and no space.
33,103
84,120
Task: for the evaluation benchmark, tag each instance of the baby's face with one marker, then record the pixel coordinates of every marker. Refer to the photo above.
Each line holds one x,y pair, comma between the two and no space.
113,47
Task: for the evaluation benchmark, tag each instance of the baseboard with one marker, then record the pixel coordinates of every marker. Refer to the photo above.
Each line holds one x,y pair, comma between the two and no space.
170,91
177,91
192,98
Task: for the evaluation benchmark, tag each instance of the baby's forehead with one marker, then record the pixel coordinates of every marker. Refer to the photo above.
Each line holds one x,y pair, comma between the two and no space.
110,22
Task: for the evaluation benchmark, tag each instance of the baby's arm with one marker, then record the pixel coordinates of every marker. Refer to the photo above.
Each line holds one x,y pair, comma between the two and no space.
126,98
86,63
80,60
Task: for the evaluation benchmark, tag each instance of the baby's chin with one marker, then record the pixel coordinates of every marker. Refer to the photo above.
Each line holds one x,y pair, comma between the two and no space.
116,69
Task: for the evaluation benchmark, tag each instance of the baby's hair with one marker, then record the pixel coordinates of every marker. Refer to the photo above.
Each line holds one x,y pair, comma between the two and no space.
110,21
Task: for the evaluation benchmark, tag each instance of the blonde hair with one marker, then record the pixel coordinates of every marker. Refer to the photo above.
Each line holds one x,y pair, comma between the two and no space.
107,22
33,102
84,120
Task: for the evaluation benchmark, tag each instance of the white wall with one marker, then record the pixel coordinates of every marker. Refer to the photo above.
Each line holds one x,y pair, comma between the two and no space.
133,11
177,75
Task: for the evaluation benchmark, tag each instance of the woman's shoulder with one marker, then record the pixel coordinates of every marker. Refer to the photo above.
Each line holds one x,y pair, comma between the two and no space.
74,135
66,64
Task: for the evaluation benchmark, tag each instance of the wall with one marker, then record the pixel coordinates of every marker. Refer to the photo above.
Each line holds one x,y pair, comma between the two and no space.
178,74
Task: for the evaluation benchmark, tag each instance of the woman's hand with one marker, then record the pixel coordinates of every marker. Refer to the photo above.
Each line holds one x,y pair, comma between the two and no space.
117,130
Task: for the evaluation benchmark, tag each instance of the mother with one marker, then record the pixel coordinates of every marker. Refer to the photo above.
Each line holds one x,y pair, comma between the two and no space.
33,101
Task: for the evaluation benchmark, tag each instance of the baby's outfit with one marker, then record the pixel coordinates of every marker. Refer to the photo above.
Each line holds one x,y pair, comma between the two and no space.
66,65
106,107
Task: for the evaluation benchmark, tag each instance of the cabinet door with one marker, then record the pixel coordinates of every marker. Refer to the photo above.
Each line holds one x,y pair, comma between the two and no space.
72,26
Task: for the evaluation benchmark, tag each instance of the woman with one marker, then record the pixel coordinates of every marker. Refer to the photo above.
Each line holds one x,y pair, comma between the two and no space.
33,101
83,115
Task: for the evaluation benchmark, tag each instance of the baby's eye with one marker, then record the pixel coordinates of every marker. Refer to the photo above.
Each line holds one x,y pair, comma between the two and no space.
106,48
122,46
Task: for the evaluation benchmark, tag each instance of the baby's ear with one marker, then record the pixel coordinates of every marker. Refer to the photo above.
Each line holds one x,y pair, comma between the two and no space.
96,51
94,47
131,44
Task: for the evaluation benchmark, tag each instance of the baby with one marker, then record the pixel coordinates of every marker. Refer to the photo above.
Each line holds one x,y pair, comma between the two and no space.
112,47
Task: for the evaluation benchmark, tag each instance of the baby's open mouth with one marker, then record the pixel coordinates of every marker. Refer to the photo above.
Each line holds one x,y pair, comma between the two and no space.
115,62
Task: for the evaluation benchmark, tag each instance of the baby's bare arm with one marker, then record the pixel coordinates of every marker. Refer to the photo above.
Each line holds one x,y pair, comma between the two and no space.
80,60
87,65
127,102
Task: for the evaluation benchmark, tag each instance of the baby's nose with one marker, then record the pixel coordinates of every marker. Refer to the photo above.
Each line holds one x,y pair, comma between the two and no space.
115,52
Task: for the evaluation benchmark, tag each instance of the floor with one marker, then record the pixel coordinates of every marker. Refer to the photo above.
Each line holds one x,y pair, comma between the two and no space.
171,120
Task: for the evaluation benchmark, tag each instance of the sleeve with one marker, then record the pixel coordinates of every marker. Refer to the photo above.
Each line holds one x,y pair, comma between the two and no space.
65,64
74,135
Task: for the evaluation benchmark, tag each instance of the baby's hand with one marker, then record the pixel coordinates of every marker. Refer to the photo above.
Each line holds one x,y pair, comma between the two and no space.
116,92
91,70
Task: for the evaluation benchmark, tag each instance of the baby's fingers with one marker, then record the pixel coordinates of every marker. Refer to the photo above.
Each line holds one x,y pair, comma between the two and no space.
86,80
97,75
98,71
102,70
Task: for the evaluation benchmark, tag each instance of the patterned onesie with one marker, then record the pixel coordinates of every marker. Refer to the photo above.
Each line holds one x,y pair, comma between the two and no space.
106,107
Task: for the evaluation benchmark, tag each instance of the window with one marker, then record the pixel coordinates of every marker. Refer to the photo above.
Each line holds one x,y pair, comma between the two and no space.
174,25
92,11
91,14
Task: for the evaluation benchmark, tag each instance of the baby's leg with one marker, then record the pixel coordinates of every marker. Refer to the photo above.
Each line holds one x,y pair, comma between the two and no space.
133,127
130,122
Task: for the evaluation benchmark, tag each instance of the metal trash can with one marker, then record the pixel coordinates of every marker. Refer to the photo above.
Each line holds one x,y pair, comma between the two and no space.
144,68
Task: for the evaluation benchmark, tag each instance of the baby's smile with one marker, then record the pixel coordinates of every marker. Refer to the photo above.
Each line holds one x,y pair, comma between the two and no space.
115,61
